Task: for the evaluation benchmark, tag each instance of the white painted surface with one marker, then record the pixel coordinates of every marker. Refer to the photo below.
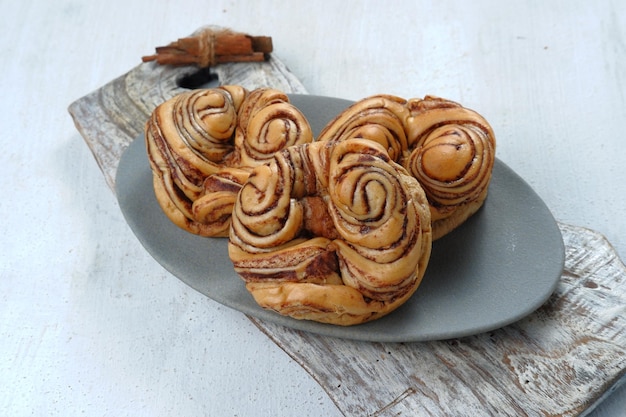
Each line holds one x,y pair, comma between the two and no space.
90,324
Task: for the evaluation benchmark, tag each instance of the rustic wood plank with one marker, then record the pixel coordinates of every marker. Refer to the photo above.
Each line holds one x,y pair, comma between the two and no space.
557,361
560,360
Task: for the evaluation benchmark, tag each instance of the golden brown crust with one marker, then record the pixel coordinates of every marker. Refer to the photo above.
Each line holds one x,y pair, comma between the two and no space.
333,303
379,118
452,154
337,231
196,140
449,149
366,254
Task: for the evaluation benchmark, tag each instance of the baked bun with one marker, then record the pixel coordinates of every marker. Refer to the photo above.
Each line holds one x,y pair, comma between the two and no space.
334,232
202,145
452,153
448,148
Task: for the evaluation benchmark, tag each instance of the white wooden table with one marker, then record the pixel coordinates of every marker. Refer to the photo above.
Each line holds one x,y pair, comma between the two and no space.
90,324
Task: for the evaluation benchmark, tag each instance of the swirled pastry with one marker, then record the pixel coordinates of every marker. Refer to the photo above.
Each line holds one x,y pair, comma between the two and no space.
452,154
449,149
334,232
380,118
202,145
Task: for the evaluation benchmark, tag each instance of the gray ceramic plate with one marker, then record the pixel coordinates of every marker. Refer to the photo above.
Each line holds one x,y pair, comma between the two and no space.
499,266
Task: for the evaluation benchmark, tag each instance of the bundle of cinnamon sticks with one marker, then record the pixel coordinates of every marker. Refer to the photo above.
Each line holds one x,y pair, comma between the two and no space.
210,47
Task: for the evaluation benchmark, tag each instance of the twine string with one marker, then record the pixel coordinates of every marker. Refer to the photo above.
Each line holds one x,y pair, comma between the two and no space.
207,48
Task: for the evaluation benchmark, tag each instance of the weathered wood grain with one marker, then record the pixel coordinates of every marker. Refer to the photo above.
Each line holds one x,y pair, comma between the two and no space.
556,362
560,360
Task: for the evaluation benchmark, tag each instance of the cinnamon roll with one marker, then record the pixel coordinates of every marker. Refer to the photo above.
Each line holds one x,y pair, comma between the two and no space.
452,154
380,118
448,148
334,232
202,145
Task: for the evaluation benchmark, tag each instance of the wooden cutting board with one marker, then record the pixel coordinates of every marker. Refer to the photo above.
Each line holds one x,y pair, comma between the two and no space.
560,360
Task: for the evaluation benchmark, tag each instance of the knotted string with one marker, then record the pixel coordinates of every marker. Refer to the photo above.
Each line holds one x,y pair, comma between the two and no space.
206,50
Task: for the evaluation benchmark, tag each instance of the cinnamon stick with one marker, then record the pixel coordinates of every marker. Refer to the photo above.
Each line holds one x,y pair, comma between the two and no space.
210,47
